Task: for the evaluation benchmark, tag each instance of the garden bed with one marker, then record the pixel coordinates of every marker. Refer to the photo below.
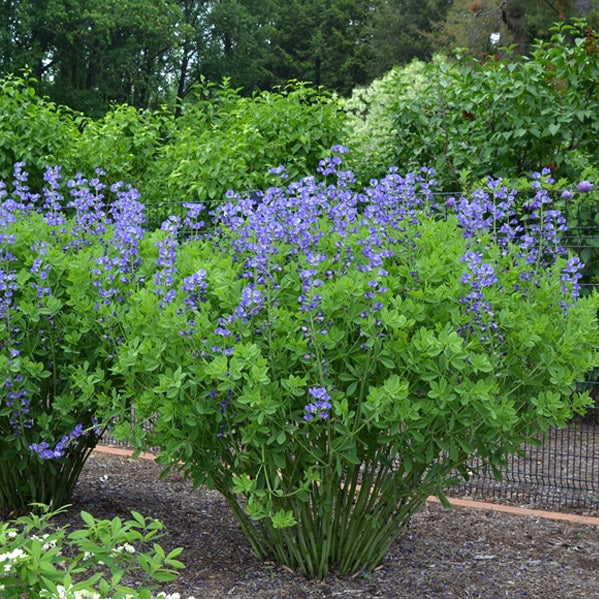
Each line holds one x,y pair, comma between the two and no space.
443,553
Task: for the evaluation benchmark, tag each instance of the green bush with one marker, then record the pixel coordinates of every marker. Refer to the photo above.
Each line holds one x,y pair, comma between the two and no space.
327,359
40,560
224,141
508,116
123,143
32,129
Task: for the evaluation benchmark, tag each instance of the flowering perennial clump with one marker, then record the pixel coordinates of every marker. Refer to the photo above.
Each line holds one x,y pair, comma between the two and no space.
69,258
331,357
325,357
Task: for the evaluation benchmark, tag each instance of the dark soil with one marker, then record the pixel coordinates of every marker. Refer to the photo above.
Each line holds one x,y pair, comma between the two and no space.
454,552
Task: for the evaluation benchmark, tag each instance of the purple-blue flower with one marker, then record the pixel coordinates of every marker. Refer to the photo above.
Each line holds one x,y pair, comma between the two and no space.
164,279
46,452
320,407
570,277
585,186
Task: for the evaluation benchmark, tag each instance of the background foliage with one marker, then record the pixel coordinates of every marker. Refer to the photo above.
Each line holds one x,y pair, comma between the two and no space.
508,115
91,54
32,129
222,140
228,142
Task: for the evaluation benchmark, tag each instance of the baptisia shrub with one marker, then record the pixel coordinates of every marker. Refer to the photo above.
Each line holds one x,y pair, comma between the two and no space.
327,359
65,266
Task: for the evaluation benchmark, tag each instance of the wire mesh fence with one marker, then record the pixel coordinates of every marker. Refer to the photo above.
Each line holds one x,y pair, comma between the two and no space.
562,470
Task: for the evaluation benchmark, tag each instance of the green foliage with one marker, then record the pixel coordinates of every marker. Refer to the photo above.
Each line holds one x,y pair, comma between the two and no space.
96,561
32,129
123,143
324,417
225,141
515,115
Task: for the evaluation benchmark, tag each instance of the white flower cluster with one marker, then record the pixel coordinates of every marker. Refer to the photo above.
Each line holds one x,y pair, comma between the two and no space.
125,548
46,545
67,593
8,558
87,555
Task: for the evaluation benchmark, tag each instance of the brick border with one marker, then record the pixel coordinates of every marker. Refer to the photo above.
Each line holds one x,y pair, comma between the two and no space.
462,503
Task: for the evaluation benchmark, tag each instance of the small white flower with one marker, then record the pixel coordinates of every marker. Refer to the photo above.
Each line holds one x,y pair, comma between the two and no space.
62,592
494,38
49,545
125,548
84,594
11,556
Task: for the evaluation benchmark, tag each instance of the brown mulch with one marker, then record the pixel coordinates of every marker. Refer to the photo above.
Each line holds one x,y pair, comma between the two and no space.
445,553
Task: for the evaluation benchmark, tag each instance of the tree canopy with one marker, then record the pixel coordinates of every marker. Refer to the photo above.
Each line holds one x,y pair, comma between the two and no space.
90,54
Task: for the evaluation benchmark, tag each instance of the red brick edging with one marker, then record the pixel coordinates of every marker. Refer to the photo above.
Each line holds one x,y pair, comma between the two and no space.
465,503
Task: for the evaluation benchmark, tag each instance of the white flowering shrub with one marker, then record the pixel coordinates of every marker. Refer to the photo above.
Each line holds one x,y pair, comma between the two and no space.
97,561
371,117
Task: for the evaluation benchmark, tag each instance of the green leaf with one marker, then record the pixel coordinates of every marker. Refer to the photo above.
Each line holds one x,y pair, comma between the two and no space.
279,460
283,519
553,129
387,362
88,518
351,389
